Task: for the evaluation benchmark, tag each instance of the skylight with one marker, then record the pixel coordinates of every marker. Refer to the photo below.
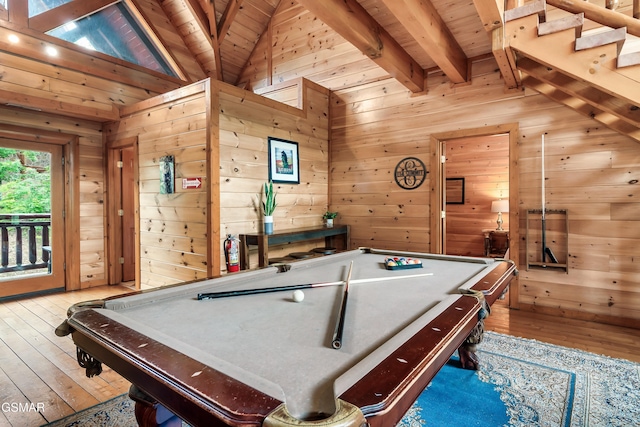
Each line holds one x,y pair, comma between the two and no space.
115,32
36,7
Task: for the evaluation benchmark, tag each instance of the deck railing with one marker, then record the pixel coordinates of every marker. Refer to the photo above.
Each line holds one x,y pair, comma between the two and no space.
13,228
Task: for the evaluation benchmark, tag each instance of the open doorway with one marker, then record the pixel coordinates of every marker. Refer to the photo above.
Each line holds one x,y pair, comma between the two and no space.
476,174
483,197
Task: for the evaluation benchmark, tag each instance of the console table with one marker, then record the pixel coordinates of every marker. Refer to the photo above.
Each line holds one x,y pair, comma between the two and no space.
336,237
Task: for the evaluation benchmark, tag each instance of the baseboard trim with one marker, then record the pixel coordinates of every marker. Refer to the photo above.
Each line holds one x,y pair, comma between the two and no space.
580,315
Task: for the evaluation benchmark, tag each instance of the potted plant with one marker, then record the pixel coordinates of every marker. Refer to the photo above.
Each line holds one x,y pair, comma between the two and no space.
268,206
328,218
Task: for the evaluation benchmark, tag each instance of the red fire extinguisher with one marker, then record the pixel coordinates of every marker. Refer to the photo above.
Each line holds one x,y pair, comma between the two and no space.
232,253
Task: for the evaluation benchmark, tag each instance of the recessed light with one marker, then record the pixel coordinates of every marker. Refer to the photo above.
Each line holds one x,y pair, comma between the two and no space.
51,51
13,38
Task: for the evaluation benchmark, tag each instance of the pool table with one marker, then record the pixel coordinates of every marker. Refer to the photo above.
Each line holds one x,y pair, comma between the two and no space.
265,360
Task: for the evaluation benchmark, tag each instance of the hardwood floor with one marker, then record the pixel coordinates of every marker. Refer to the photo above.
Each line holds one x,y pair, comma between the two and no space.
38,367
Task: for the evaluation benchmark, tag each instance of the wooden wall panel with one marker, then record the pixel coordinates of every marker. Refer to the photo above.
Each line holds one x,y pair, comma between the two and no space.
591,171
92,212
73,84
246,122
173,238
303,46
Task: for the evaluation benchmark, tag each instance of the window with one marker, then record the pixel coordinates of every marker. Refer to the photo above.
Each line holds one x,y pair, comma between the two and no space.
36,7
115,32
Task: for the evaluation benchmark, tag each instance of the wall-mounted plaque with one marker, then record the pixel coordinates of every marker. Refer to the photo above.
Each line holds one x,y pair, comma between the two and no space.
410,173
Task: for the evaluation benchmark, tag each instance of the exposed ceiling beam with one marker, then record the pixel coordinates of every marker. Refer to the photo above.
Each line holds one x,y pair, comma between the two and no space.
227,18
19,12
50,104
505,59
491,13
193,27
209,10
426,26
351,21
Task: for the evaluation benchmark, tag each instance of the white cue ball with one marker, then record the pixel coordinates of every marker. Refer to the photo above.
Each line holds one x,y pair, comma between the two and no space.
298,296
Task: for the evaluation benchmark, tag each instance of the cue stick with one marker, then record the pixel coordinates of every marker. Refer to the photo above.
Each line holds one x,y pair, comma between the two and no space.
226,294
544,240
337,335
545,250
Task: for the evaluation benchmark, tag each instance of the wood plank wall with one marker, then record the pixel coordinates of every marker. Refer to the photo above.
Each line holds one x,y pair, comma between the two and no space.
483,162
246,121
174,242
591,171
92,212
173,227
303,46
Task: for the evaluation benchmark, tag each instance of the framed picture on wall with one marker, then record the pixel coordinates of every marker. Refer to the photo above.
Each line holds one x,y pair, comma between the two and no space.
455,191
284,161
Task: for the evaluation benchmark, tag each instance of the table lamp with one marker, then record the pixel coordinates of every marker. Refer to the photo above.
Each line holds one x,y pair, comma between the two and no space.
500,206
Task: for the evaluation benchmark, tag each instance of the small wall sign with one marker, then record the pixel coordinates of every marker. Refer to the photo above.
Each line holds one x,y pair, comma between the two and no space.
191,183
410,173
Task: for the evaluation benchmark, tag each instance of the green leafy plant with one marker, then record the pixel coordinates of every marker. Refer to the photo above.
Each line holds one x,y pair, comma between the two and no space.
269,204
329,215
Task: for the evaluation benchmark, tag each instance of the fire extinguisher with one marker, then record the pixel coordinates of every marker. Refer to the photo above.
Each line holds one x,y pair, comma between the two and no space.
232,253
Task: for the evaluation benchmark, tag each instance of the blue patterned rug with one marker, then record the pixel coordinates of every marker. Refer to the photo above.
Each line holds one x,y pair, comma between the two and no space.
521,383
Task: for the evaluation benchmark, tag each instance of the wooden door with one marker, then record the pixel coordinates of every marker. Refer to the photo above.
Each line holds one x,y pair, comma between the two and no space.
122,253
128,215
39,240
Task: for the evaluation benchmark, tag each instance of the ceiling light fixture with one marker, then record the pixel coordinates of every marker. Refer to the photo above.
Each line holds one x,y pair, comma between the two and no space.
51,51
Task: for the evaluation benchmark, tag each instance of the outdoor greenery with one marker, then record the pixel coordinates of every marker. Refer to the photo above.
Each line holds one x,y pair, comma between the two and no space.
25,181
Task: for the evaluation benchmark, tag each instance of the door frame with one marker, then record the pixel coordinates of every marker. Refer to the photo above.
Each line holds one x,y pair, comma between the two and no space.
65,258
114,222
438,224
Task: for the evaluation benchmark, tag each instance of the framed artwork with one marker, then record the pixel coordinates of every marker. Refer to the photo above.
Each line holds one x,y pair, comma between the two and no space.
284,161
455,191
167,177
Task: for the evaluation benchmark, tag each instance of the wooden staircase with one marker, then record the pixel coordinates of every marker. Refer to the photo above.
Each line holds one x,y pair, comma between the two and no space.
587,71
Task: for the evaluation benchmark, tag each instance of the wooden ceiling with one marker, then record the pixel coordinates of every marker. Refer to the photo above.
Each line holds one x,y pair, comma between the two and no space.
407,38
228,39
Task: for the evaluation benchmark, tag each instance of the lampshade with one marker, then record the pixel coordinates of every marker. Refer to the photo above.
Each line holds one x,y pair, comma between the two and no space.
500,206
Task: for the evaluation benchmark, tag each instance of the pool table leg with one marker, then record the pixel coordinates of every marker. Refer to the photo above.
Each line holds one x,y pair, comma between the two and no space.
467,351
149,413
468,357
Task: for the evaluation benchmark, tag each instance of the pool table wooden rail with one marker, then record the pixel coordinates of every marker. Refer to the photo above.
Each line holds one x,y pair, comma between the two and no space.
202,395
186,385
